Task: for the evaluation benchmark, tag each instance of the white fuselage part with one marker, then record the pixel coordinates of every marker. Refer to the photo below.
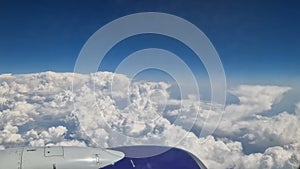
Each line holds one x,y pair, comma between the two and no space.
58,158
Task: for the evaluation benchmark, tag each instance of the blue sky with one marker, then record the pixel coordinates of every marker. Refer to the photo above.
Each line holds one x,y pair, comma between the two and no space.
258,42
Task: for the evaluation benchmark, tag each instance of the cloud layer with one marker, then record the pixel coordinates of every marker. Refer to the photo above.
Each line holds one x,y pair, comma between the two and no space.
83,110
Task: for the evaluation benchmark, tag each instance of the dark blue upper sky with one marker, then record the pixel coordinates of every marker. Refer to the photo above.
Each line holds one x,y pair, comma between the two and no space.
255,39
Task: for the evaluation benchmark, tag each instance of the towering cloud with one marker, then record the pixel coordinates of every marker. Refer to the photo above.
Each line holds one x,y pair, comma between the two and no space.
254,100
74,109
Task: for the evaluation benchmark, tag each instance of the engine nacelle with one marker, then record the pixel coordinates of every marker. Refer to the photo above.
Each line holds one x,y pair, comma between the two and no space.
58,158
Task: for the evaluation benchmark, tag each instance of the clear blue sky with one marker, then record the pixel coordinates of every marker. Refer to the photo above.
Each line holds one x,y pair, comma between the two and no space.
256,40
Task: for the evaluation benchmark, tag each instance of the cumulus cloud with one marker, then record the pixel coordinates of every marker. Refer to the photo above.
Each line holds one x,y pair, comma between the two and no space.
246,121
9,135
89,110
261,133
243,121
254,100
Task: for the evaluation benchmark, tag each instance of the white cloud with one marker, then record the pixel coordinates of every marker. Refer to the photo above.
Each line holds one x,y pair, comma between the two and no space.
9,135
43,109
244,120
254,100
279,130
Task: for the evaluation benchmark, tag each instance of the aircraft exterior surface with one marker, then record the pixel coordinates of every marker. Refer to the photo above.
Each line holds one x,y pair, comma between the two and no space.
96,158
